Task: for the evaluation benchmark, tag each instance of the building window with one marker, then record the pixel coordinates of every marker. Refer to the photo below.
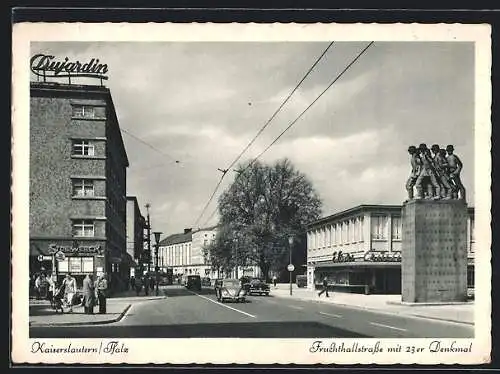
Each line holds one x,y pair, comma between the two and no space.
83,227
83,148
83,187
472,230
396,228
83,111
379,225
355,230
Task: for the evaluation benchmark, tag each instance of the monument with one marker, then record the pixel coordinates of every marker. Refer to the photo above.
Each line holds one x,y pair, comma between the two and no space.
434,236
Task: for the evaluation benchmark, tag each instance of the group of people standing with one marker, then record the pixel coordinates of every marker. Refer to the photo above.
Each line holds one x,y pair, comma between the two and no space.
435,173
64,293
146,281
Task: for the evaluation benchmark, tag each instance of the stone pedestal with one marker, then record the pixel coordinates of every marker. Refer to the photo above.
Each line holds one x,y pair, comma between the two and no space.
434,252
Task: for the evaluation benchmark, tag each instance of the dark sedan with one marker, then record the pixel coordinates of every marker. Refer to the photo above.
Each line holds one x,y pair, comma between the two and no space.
257,287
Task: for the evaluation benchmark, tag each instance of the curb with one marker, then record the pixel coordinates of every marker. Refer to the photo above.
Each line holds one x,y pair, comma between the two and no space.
132,298
382,311
116,319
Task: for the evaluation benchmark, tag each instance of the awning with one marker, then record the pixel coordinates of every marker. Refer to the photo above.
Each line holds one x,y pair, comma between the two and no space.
36,250
365,264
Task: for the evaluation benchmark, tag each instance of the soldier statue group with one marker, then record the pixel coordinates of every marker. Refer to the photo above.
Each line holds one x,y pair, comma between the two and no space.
435,173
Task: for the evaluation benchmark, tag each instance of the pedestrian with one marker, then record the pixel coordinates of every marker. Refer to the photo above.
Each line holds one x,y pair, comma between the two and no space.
101,290
325,287
145,281
69,290
132,282
275,279
138,285
88,294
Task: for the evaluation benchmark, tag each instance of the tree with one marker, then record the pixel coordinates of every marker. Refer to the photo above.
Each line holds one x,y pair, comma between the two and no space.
259,211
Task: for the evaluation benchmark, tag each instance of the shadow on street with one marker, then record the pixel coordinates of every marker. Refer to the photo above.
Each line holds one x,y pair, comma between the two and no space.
304,329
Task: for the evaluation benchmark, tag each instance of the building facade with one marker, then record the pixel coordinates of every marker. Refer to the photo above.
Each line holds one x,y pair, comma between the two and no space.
200,259
185,254
174,252
135,231
77,183
359,250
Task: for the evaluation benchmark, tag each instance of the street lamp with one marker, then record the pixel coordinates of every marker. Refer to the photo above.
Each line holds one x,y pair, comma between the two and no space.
236,243
290,267
157,240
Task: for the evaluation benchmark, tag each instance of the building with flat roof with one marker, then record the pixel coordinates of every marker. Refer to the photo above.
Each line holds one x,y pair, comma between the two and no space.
359,249
135,231
77,197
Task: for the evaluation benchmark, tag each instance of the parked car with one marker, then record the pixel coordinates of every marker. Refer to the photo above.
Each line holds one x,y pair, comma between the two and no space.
206,281
301,281
230,289
193,282
257,286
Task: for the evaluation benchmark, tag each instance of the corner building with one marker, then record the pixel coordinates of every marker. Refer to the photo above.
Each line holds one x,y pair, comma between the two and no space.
359,250
77,183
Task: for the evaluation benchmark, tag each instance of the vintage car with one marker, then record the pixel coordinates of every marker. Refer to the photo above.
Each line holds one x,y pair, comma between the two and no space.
257,286
192,282
230,289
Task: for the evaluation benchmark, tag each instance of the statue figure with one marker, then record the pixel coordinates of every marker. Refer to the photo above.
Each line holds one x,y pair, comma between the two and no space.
455,167
440,166
427,174
415,170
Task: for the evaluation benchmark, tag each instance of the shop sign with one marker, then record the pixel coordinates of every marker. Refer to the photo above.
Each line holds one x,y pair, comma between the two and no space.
382,256
342,257
53,248
47,66
60,256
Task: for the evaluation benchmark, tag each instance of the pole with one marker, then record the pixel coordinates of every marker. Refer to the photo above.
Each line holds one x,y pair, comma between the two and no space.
237,242
290,272
149,239
156,267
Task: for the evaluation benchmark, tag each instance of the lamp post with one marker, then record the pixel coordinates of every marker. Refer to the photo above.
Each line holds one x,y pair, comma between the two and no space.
290,265
157,240
235,241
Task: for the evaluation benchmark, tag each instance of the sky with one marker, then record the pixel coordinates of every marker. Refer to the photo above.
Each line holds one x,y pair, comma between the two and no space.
200,103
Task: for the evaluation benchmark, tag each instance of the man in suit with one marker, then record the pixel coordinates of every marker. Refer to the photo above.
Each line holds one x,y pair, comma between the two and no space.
88,294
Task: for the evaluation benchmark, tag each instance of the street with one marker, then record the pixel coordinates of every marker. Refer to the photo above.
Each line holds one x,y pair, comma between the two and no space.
186,314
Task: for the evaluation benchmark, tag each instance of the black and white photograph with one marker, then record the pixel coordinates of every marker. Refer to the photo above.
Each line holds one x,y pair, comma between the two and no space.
251,193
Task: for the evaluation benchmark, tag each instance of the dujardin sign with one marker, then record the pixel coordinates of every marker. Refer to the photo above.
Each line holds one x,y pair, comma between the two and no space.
342,257
47,66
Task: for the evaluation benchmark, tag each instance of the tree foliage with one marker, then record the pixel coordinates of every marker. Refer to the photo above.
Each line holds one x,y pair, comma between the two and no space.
259,211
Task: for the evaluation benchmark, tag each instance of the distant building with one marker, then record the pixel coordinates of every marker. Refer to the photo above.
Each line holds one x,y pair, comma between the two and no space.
361,247
200,259
135,230
77,183
175,252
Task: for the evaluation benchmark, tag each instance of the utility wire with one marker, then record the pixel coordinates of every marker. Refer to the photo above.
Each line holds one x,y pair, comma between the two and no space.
224,171
305,110
149,145
280,107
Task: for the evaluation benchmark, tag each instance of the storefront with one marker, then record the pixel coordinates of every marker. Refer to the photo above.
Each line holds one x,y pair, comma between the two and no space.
65,256
374,272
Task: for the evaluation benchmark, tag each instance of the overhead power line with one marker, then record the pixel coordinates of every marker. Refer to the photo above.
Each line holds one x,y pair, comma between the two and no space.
148,145
305,110
261,130
280,107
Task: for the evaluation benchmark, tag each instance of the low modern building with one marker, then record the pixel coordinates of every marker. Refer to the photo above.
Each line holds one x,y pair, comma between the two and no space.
77,183
359,249
174,252
135,231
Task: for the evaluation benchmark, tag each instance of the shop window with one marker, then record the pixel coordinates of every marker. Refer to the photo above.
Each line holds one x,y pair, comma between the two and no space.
83,111
83,227
379,227
83,187
396,228
83,148
76,265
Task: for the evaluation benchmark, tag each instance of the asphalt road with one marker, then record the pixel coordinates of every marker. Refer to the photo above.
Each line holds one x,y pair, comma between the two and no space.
185,314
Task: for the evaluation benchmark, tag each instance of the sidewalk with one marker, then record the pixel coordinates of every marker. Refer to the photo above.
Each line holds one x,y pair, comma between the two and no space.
41,313
388,304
